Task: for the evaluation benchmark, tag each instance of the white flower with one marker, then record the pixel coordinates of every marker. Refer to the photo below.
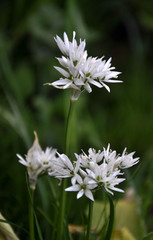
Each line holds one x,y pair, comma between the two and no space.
47,159
104,167
93,156
96,72
65,168
38,161
127,160
71,49
104,177
116,161
111,158
97,170
79,71
83,187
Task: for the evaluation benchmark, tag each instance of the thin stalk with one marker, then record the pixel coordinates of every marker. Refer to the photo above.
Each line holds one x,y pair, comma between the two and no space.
68,128
111,219
56,210
88,236
64,182
31,215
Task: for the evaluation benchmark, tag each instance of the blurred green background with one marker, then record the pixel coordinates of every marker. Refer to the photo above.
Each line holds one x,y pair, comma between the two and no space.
121,29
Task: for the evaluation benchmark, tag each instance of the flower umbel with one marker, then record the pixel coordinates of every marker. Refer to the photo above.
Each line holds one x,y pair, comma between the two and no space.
79,71
97,170
38,161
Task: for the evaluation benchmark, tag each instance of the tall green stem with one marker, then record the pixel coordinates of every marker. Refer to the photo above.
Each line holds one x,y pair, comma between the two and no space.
88,236
64,183
68,127
111,219
31,215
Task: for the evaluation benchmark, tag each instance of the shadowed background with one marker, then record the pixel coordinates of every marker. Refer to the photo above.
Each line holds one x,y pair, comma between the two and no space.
120,29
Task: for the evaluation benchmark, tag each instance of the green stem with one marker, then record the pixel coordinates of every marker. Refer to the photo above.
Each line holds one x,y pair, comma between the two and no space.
64,182
111,219
68,128
88,236
31,215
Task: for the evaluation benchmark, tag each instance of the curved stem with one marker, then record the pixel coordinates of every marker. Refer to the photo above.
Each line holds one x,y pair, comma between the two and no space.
31,215
64,182
111,219
89,220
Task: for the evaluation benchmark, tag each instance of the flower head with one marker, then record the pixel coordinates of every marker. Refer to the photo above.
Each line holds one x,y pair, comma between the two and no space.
79,71
38,161
95,170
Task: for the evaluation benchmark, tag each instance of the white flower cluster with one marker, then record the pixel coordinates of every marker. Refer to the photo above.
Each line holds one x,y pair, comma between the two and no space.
79,70
94,171
88,173
38,161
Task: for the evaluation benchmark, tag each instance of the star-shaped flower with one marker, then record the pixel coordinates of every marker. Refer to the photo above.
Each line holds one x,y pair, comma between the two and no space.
79,71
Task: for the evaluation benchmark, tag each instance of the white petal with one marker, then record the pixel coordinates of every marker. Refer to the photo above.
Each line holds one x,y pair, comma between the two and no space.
62,71
80,193
109,191
88,88
112,81
89,194
73,40
61,82
116,189
22,160
73,180
60,44
107,64
107,88
77,166
114,74
74,188
79,179
63,61
97,84
66,40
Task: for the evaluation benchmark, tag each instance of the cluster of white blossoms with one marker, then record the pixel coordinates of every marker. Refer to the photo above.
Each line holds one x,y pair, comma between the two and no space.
80,71
97,170
88,173
38,161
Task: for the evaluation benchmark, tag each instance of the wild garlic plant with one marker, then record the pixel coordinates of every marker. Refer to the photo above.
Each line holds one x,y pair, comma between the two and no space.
97,170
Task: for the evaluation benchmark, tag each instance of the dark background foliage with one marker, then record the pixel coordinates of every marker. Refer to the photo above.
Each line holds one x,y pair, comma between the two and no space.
122,29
